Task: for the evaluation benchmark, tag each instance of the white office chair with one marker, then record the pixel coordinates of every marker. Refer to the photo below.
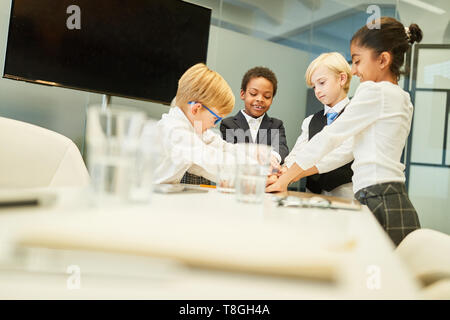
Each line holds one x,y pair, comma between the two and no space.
31,156
427,255
439,290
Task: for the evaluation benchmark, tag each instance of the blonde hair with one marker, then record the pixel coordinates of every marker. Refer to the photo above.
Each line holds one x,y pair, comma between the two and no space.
201,84
335,62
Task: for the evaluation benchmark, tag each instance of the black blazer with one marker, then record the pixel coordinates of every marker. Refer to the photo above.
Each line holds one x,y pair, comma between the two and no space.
270,131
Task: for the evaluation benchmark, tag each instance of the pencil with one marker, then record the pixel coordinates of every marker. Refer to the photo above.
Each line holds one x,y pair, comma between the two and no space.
207,186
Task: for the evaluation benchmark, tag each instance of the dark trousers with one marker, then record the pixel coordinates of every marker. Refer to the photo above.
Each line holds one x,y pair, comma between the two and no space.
390,204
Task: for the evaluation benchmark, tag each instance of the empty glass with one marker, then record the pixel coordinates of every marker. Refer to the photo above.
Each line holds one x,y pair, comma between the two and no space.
119,154
226,178
253,163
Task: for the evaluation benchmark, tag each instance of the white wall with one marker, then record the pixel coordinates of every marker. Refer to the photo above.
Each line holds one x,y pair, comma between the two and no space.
232,54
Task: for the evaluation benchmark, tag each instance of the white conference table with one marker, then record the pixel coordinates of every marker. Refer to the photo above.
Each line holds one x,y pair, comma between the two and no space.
196,246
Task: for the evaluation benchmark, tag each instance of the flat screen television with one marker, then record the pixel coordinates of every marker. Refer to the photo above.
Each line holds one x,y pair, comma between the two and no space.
129,48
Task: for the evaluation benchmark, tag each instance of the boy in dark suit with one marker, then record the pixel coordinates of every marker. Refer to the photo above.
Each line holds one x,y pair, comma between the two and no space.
252,124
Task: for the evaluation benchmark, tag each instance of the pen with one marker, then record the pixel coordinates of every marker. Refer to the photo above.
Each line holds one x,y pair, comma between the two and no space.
207,186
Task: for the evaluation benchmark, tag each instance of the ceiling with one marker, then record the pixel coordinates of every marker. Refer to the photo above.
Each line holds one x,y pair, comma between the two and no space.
318,25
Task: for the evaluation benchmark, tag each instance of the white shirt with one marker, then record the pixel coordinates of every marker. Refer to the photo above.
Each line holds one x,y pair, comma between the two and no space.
335,159
337,107
182,150
379,119
254,124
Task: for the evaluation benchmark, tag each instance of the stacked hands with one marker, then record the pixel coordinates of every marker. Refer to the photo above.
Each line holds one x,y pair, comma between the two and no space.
281,176
276,172
277,179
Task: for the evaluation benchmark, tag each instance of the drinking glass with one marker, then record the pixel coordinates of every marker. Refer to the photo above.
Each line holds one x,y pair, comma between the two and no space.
118,154
253,163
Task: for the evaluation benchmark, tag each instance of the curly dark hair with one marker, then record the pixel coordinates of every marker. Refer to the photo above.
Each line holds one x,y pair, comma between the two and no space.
258,72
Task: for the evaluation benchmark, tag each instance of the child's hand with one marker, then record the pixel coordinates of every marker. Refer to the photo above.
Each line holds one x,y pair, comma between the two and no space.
274,165
283,170
278,186
271,179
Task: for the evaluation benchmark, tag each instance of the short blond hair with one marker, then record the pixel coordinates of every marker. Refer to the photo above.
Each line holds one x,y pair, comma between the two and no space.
201,84
333,61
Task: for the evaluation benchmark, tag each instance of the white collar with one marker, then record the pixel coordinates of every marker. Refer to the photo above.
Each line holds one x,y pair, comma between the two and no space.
178,113
337,107
251,119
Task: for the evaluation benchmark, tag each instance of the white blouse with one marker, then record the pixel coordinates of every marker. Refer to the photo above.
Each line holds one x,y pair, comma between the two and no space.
335,159
379,120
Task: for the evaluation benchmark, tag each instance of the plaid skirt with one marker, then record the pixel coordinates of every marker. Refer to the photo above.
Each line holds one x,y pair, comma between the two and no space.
190,178
390,204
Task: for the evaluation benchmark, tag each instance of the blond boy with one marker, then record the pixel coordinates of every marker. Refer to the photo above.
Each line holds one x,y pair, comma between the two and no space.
187,145
329,75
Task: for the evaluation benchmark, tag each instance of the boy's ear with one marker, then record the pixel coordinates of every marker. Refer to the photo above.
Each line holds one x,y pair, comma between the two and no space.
195,108
343,78
242,94
385,59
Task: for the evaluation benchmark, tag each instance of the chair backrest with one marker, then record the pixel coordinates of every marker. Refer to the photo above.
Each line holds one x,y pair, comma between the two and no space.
427,254
31,156
439,290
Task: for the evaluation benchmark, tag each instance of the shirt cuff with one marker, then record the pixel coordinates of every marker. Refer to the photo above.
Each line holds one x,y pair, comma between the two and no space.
321,169
277,156
304,164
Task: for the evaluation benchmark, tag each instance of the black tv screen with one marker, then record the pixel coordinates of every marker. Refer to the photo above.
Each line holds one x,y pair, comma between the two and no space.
132,48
